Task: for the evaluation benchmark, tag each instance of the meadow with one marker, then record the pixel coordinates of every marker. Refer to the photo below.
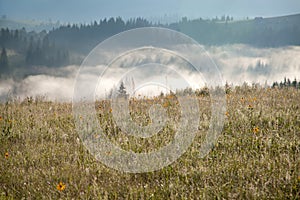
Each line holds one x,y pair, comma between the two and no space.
257,156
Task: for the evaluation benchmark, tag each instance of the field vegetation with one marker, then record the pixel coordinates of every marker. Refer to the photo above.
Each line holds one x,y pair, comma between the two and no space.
257,156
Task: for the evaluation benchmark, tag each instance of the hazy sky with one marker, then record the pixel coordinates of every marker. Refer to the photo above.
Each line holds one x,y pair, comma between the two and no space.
89,10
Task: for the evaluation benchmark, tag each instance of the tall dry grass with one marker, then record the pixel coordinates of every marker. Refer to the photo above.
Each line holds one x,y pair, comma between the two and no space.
257,155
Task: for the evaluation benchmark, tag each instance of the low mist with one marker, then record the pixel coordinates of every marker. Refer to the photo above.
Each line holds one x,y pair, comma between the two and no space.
237,64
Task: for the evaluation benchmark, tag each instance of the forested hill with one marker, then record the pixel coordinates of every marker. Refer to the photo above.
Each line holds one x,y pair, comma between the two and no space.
68,44
82,38
260,32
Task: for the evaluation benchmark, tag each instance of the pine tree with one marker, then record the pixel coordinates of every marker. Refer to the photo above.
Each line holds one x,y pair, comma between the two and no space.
294,83
3,59
122,90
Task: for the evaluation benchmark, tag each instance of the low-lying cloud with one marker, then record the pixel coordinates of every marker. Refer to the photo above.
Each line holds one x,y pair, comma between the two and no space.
240,63
237,64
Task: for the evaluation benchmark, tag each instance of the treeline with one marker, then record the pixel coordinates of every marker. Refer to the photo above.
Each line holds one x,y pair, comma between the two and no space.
286,83
14,39
69,44
62,46
259,32
205,91
82,38
44,52
30,48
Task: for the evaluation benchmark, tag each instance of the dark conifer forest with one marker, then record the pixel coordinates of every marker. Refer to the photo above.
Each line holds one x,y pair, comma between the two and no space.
70,43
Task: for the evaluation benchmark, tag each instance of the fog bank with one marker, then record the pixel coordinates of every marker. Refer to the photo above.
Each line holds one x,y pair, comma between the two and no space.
237,64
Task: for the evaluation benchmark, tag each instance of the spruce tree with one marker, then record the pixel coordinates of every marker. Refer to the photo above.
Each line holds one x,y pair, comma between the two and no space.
3,59
122,90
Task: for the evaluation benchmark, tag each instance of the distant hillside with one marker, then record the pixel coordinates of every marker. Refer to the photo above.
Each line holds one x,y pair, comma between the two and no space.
69,44
260,32
28,25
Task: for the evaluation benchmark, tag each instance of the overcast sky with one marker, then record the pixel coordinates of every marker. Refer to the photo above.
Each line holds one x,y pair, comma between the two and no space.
89,10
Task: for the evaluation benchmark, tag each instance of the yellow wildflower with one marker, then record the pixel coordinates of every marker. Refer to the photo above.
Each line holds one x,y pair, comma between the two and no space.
166,104
255,130
61,186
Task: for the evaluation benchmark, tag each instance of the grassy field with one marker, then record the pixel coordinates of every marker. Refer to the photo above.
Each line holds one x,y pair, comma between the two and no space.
257,155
